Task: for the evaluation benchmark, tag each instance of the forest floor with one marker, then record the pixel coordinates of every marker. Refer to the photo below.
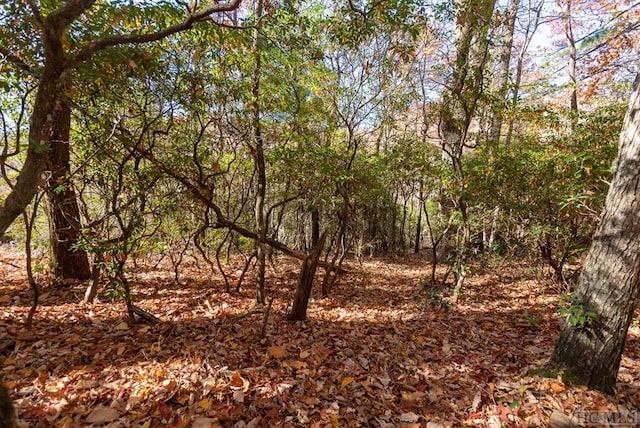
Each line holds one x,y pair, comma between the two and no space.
382,350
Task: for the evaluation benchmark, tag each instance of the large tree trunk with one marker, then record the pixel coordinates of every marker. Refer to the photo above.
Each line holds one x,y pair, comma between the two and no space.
31,174
610,280
62,209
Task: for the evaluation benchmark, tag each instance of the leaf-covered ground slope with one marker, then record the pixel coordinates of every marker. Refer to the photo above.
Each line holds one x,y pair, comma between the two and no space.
383,350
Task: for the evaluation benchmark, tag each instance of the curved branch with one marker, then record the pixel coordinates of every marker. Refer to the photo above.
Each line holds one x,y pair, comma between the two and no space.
122,39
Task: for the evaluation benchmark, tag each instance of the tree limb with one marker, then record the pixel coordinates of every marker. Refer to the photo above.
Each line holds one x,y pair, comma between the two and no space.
66,13
16,61
121,39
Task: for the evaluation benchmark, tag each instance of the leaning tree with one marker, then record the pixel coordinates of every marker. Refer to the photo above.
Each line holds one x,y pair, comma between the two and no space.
50,40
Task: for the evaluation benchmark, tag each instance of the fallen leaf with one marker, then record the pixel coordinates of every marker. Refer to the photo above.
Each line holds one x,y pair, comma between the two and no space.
238,382
123,326
346,381
205,403
409,417
294,364
238,396
120,347
476,401
277,351
103,415
556,387
201,422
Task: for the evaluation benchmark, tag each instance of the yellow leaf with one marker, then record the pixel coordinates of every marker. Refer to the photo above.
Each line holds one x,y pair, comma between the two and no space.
297,364
277,351
304,354
205,403
556,387
5,299
120,347
346,381
27,372
366,387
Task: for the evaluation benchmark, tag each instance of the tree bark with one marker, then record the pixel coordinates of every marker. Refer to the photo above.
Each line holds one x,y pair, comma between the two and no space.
502,78
31,175
610,280
62,204
565,7
305,282
315,226
259,162
7,411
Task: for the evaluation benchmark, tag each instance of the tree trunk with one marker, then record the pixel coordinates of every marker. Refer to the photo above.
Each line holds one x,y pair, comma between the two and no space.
92,288
259,162
571,43
530,28
62,206
7,412
416,246
40,126
502,78
305,282
459,103
315,226
610,280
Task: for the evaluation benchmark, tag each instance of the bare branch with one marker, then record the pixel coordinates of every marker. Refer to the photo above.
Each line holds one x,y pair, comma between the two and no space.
122,39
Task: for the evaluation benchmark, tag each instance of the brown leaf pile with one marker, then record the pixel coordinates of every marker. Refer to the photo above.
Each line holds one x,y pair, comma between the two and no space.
381,351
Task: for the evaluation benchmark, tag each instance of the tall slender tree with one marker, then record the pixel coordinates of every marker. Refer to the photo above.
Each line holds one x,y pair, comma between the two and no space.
257,151
567,20
460,100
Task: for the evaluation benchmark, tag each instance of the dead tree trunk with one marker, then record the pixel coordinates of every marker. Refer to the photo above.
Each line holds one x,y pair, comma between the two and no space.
305,282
